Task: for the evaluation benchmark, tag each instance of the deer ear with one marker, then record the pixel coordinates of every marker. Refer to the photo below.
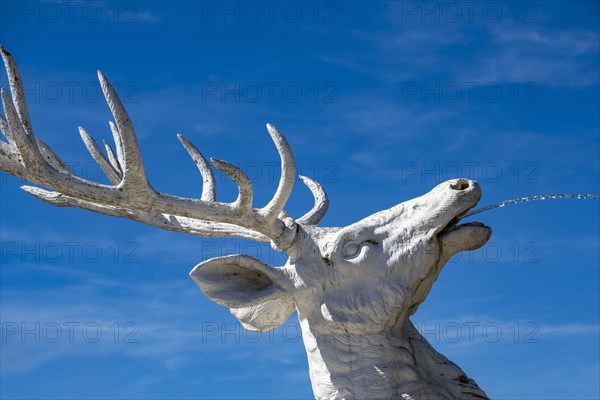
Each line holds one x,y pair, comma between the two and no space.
265,316
254,291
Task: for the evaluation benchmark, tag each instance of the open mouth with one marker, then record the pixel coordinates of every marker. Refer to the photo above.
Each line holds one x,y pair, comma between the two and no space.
454,223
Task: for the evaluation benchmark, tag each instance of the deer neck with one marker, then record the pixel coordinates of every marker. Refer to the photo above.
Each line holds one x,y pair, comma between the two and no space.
393,364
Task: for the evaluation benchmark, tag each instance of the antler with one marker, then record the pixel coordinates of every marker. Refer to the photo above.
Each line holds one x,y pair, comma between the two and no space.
130,195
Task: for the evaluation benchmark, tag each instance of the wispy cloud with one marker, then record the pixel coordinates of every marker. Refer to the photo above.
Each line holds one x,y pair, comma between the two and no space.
132,321
553,58
503,52
476,333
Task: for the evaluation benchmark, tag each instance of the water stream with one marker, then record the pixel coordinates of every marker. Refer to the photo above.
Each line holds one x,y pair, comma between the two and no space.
532,198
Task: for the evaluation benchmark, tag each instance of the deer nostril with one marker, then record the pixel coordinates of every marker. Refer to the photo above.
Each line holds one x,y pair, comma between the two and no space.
460,184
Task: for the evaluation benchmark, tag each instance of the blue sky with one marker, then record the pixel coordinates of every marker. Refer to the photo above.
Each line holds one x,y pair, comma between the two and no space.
380,102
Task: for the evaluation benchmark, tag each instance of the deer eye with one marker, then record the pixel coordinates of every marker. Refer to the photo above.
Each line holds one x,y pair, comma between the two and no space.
351,250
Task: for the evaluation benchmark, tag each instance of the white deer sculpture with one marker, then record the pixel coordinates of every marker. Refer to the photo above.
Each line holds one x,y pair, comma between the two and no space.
354,287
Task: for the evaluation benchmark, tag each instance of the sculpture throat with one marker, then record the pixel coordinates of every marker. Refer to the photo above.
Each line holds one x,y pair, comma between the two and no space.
382,365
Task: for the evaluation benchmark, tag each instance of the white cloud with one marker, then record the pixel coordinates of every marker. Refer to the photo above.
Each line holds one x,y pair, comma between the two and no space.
553,58
502,52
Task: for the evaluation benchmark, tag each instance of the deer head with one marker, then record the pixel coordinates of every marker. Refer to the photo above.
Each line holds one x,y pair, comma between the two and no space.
367,275
353,287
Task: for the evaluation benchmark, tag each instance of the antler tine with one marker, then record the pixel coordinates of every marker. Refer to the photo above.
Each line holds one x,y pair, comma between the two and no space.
97,155
26,143
5,130
12,155
112,158
18,98
50,156
244,199
16,88
208,179
314,216
288,174
10,159
118,143
134,174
